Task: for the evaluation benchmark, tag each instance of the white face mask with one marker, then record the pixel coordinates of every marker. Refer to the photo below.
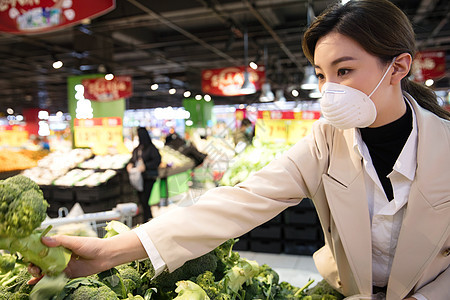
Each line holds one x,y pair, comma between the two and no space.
345,107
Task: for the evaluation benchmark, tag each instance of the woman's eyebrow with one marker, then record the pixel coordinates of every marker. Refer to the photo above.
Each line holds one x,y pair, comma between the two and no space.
337,60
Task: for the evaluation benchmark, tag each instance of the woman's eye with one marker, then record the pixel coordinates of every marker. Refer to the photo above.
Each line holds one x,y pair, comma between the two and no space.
342,72
319,76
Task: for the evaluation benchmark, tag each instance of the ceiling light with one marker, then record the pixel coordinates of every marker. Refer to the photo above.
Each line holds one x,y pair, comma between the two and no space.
253,65
280,96
207,98
295,93
310,81
198,97
247,86
172,91
57,64
154,86
109,76
187,94
10,111
429,82
266,93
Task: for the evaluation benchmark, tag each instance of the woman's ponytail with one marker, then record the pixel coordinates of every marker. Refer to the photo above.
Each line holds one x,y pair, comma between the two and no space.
425,97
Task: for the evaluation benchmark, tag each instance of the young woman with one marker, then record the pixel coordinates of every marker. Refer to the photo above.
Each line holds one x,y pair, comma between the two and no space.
377,169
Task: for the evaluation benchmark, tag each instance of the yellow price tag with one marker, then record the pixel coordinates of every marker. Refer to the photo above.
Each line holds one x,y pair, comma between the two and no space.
271,130
298,129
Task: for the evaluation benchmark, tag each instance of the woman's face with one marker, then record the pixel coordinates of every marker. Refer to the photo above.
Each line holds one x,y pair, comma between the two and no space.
340,59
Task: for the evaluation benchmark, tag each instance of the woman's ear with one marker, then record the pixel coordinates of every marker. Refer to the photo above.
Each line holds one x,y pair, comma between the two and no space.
401,66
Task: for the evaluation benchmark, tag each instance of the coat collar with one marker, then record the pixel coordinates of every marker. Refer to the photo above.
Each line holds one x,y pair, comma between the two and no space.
426,224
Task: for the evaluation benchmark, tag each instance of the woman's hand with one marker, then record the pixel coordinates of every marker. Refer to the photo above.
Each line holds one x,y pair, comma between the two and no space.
93,255
89,256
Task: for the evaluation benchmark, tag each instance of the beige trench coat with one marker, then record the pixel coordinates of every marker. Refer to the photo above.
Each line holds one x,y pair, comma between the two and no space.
324,167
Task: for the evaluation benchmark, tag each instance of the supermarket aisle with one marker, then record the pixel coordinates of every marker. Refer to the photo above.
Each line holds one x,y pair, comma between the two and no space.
295,269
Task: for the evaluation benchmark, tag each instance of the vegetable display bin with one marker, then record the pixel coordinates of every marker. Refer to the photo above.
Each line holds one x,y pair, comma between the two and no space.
300,217
308,233
63,193
242,245
267,246
300,247
272,231
104,191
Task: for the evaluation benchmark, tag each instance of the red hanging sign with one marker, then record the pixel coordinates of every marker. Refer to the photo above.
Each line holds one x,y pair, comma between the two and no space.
100,89
36,16
228,81
428,65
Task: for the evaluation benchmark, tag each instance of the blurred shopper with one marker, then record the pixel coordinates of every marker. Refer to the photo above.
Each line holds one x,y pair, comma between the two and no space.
151,159
244,134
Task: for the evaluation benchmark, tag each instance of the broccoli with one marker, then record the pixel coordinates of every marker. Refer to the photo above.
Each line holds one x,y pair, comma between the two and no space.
263,285
22,206
14,284
188,290
7,263
323,288
167,281
286,291
226,257
214,290
86,288
130,276
114,281
22,210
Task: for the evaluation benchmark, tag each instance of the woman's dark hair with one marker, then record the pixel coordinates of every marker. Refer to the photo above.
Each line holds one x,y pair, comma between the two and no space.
382,29
144,137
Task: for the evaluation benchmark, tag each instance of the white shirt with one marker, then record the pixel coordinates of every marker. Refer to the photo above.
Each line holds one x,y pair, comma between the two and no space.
386,216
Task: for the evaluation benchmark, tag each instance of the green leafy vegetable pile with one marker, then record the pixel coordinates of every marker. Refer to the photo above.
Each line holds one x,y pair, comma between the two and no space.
219,275
252,159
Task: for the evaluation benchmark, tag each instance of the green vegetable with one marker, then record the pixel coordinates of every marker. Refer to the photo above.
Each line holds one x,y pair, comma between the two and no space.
114,228
50,260
48,287
22,210
263,285
22,206
7,263
167,281
188,290
252,159
114,281
130,276
13,284
323,288
86,288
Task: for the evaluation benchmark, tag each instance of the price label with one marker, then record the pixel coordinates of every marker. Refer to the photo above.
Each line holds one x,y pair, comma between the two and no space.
98,133
15,136
298,129
271,130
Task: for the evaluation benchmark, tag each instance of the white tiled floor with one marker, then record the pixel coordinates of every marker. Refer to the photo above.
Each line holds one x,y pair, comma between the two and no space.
295,269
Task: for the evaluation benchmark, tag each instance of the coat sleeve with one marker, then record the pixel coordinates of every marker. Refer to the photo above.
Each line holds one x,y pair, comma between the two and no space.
439,288
222,213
